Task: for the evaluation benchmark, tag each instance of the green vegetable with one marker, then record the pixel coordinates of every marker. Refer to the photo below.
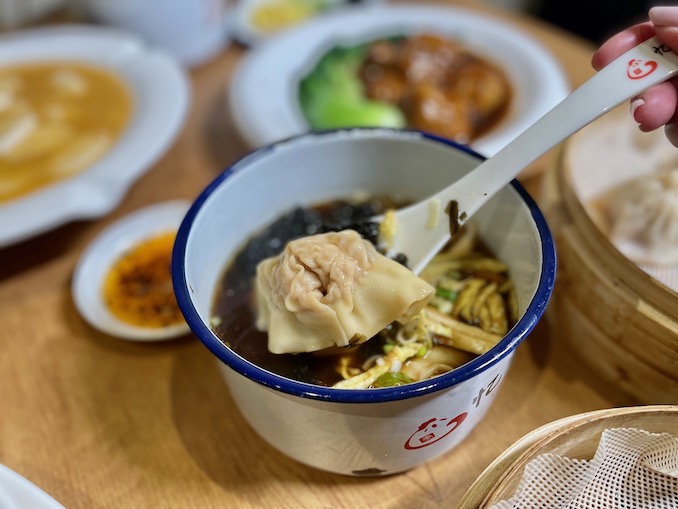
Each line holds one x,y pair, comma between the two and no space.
454,274
332,94
392,379
444,305
446,294
316,5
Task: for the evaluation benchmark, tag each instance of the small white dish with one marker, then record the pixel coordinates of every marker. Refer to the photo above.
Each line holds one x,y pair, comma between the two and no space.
263,93
246,32
100,255
161,97
17,492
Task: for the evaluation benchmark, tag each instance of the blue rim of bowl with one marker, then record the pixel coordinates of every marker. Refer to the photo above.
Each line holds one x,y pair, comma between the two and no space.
506,346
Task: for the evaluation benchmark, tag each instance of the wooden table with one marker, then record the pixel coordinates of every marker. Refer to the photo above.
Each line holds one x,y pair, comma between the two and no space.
102,423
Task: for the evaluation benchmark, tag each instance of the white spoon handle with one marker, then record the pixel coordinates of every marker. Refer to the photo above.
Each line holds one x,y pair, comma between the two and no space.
640,68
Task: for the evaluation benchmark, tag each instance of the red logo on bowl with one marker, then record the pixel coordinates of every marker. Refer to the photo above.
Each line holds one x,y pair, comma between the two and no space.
638,69
429,432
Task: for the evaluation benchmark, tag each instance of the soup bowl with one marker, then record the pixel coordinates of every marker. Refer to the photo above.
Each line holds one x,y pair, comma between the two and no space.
357,431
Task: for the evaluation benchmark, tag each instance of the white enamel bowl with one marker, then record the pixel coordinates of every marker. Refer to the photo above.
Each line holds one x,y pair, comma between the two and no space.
357,432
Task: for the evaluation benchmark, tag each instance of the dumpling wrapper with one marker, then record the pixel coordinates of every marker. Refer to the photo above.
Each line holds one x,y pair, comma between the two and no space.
333,289
642,216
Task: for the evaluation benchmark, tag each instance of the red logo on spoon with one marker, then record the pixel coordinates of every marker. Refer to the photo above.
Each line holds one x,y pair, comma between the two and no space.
638,69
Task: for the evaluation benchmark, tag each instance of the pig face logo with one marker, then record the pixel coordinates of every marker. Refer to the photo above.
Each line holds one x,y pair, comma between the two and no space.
433,430
638,69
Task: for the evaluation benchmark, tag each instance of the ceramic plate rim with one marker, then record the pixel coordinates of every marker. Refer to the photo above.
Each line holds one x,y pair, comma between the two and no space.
16,491
161,93
263,118
102,252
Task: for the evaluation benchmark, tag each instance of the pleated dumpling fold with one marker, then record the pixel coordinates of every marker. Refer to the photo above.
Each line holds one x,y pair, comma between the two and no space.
333,289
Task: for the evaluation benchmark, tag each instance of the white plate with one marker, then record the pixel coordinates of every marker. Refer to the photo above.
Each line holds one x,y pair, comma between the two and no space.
161,98
263,94
100,255
17,492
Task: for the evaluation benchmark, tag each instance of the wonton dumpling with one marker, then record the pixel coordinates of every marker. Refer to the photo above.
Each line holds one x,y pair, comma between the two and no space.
642,216
333,289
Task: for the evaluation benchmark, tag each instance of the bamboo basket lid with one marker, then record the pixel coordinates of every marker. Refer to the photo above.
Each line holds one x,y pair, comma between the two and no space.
574,437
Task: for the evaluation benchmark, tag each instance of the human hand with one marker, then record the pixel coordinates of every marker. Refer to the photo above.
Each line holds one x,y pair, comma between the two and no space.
657,106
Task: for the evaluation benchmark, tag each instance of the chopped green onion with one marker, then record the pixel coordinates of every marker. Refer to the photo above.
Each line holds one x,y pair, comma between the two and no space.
423,351
446,294
444,305
454,274
392,380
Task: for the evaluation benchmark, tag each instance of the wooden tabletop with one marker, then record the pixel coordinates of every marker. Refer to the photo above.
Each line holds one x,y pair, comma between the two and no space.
98,422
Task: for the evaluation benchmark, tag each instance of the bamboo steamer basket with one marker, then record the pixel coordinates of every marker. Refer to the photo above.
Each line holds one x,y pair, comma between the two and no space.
621,322
576,437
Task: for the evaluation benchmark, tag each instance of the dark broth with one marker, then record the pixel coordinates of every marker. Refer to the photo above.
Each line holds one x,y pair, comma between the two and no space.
232,303
234,318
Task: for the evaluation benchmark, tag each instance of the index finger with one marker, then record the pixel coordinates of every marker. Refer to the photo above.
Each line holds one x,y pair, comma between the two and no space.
620,43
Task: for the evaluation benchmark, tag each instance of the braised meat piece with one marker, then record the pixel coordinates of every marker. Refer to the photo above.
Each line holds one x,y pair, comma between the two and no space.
440,86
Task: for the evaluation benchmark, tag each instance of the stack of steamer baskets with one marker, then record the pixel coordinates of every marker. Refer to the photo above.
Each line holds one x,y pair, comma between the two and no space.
576,437
620,316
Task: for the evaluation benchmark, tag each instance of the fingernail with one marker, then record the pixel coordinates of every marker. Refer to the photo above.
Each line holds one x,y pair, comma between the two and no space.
635,104
663,16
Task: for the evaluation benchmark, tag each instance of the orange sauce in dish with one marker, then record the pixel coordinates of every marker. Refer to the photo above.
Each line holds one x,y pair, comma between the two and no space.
56,119
138,287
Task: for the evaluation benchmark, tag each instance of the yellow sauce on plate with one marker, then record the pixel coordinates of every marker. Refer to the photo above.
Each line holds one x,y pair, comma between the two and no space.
56,119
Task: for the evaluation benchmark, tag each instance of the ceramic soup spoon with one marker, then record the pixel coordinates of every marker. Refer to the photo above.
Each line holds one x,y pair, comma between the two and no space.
424,228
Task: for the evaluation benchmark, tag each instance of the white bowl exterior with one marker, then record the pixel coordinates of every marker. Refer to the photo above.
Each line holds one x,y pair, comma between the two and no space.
349,438
366,439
